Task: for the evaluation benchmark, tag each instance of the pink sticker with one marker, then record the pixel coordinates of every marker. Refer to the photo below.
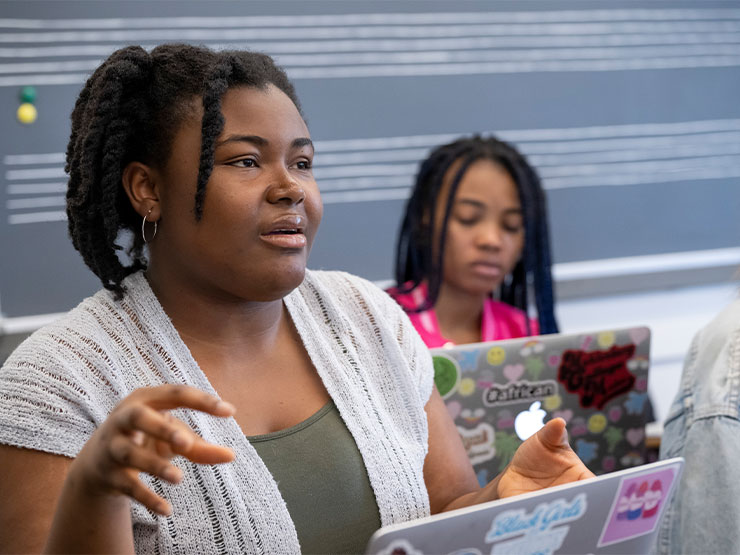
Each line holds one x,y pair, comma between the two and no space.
513,372
638,505
638,335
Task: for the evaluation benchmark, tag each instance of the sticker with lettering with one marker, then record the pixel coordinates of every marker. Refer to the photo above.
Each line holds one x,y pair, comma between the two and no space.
637,507
479,442
542,531
521,391
597,376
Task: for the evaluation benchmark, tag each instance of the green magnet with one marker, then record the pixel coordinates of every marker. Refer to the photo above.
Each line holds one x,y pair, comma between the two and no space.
28,94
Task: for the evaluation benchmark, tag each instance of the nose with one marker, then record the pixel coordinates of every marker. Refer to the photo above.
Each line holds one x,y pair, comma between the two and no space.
285,189
490,236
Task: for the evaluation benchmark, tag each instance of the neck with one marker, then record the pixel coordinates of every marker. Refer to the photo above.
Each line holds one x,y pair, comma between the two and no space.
459,314
216,321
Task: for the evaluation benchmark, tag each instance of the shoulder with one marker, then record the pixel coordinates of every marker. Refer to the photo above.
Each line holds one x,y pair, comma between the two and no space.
86,341
511,321
712,369
722,333
59,383
63,333
710,382
346,290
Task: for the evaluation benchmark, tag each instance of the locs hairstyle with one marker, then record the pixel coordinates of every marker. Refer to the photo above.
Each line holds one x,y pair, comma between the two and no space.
419,259
129,110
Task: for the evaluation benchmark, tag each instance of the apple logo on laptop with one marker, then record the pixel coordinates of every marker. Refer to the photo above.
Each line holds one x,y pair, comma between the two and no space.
529,421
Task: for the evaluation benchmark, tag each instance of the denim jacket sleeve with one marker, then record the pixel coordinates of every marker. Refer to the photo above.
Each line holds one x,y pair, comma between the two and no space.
703,426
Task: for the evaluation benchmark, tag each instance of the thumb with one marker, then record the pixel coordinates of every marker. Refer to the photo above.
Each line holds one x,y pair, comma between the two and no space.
554,435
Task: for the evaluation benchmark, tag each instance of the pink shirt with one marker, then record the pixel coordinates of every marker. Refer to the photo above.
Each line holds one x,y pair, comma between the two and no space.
499,321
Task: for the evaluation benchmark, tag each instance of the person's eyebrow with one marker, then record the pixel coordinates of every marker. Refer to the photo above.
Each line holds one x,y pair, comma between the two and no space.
301,142
262,142
253,139
478,204
470,202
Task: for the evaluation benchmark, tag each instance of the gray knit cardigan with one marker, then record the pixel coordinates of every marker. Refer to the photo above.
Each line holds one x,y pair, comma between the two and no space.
63,381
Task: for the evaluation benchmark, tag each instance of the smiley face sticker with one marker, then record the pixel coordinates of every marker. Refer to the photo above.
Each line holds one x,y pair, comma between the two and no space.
496,356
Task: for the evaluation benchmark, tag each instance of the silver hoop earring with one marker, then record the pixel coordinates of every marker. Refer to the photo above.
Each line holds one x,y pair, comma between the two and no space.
143,225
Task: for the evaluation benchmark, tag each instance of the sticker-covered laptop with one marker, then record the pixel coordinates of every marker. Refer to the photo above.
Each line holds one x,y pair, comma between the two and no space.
499,393
614,513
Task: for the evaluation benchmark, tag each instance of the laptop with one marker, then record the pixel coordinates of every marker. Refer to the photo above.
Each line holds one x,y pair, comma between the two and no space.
614,513
501,392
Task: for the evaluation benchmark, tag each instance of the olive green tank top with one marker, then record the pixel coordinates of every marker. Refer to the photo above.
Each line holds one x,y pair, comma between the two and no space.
322,478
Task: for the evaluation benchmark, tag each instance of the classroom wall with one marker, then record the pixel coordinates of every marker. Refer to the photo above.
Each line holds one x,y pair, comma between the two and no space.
627,108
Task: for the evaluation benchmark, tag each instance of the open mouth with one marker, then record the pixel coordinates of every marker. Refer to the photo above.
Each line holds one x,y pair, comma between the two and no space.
287,231
286,237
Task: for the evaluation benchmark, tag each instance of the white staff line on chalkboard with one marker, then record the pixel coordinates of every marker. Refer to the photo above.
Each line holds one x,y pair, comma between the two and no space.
402,191
37,217
443,69
21,159
651,178
365,196
35,173
53,79
648,166
621,156
544,134
407,44
434,56
565,139
344,184
348,164
554,153
377,18
669,172
38,202
36,188
421,31
508,55
556,170
50,67
601,136
512,67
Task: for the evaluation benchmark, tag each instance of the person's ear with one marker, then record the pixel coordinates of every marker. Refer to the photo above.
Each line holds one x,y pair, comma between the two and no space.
142,190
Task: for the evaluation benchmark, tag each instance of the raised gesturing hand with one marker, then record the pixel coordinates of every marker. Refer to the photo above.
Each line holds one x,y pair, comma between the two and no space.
141,435
543,460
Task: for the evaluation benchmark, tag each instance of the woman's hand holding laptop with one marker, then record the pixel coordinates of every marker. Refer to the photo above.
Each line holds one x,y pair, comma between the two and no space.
544,460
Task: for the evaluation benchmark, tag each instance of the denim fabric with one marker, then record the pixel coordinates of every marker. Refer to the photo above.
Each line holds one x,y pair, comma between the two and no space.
703,426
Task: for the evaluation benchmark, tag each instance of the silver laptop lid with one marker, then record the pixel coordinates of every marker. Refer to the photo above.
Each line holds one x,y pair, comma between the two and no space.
502,391
614,513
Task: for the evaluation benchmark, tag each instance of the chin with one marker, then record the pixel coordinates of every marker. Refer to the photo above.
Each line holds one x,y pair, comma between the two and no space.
279,283
482,289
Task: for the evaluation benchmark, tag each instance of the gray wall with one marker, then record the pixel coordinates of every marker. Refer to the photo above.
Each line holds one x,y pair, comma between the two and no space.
630,111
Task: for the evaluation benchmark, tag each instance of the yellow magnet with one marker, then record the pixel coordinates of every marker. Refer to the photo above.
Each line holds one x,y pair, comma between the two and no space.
27,113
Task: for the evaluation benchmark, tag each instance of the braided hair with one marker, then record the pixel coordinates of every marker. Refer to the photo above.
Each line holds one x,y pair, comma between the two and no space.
130,110
419,254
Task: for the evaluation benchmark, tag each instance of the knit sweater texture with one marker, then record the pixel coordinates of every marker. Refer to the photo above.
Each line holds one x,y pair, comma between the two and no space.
63,381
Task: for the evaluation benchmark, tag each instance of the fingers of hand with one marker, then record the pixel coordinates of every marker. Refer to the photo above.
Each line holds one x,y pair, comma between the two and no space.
170,396
554,434
167,436
203,452
126,453
129,484
138,419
